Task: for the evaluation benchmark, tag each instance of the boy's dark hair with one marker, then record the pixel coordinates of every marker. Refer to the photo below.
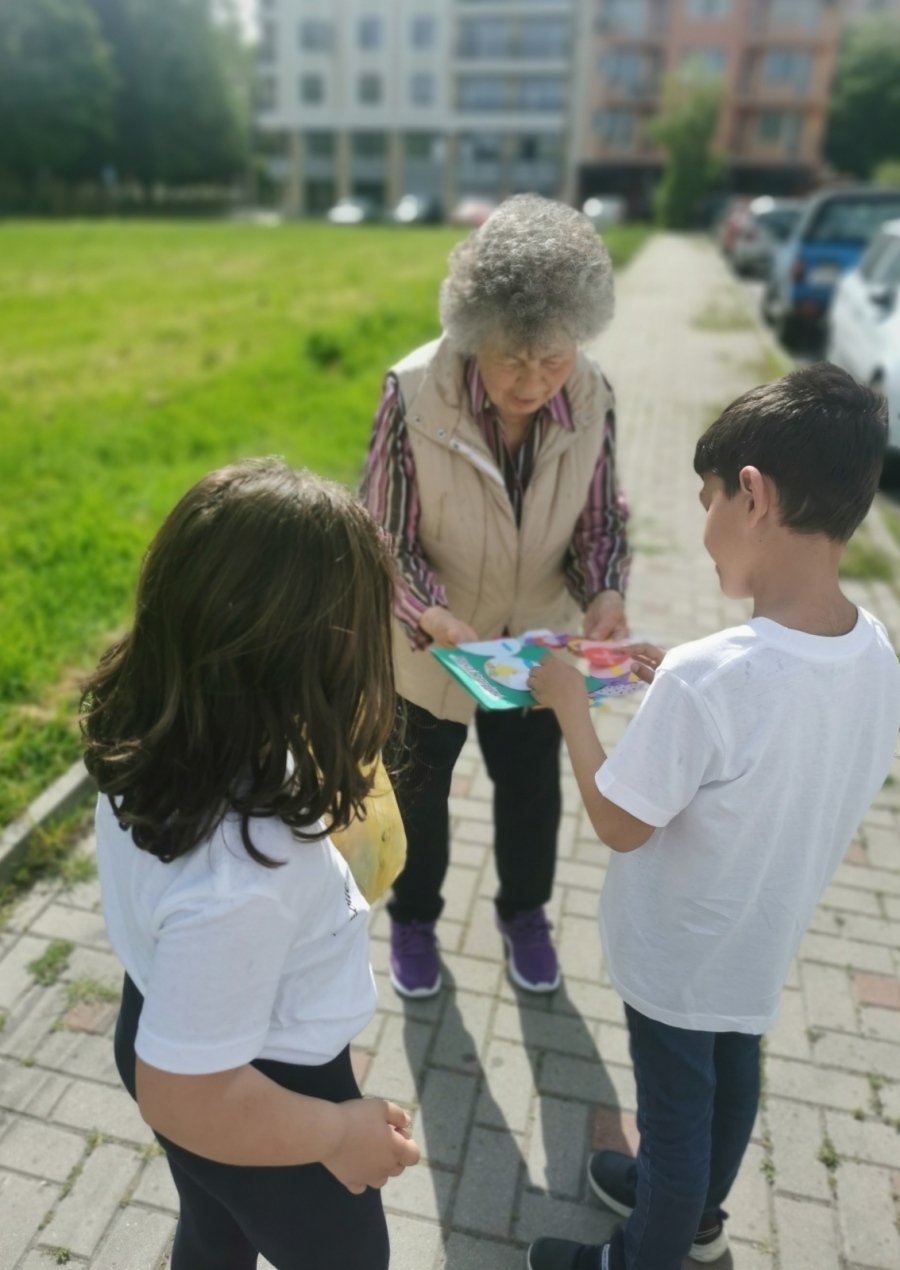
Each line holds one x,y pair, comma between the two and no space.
817,434
261,634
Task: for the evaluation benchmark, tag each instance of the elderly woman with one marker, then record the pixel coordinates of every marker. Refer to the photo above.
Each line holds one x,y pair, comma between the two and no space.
492,467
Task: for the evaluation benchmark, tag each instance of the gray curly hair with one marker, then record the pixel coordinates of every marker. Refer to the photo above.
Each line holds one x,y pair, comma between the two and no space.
535,271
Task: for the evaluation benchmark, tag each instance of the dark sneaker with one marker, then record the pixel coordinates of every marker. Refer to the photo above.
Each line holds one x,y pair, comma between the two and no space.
564,1254
415,969
530,956
613,1179
710,1241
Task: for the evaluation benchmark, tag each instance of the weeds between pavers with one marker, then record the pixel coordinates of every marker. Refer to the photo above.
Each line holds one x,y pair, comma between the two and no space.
50,855
53,962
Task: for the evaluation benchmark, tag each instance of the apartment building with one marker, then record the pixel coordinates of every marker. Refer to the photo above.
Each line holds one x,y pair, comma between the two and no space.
775,59
379,98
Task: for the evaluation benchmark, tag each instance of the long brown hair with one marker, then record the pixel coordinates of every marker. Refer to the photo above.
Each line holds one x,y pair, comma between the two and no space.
261,635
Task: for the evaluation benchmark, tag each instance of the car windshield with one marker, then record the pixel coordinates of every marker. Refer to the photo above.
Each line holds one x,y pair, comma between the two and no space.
779,223
851,220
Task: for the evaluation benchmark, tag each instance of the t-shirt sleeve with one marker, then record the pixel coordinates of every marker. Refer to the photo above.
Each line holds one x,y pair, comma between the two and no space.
213,983
669,750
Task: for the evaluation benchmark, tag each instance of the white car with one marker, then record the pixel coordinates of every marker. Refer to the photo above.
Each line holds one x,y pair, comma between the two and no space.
863,325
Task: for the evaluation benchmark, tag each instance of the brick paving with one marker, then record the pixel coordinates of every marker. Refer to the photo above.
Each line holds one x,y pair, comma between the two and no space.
509,1092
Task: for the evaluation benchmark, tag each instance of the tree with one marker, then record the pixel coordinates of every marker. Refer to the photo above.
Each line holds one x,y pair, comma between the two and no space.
57,89
864,123
684,132
181,114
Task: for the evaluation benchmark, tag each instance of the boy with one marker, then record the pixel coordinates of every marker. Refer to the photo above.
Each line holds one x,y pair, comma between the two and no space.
730,801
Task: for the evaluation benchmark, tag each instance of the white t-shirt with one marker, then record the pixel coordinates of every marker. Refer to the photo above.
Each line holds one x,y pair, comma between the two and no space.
237,961
756,753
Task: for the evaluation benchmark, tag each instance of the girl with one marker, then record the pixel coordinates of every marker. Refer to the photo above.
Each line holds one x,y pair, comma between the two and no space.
253,691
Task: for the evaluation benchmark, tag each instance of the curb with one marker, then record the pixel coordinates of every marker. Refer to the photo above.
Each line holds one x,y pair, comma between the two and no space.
67,792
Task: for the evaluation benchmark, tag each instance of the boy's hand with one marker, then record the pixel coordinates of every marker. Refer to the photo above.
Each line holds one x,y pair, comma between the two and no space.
552,683
374,1146
646,658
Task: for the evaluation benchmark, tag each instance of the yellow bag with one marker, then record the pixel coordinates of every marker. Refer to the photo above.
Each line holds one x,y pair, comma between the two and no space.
375,848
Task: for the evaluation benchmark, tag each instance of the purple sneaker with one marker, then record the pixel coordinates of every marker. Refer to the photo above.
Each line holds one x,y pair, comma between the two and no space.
530,956
415,969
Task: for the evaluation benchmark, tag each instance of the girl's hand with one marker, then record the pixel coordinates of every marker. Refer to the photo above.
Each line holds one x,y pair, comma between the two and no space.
375,1144
446,630
646,658
552,683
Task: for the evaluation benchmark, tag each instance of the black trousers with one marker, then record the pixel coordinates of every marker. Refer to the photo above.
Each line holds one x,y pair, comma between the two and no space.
299,1218
521,752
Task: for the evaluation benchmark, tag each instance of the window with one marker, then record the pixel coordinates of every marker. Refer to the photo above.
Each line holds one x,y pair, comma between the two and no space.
888,272
320,145
485,38
422,146
544,37
616,127
266,92
423,32
369,145
541,93
485,147
703,63
852,220
871,261
266,50
482,92
803,15
312,90
543,148
421,89
789,68
623,68
708,10
769,126
315,35
320,196
631,16
368,89
369,32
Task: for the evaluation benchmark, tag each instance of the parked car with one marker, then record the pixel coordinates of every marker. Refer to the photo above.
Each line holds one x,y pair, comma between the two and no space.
731,215
864,327
417,209
759,230
605,209
353,211
829,240
472,212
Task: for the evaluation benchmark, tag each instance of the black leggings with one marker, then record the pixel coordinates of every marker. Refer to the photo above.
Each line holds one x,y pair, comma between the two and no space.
298,1217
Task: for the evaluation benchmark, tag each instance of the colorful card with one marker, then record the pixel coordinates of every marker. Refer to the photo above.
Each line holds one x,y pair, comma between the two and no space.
496,671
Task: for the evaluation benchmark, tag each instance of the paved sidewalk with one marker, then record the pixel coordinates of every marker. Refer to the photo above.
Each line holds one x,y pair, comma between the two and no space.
510,1091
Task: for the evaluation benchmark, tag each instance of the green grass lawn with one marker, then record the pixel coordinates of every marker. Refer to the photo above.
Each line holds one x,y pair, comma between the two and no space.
136,357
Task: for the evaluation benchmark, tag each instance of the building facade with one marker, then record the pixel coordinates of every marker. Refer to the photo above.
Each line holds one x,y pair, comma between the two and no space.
444,98
774,59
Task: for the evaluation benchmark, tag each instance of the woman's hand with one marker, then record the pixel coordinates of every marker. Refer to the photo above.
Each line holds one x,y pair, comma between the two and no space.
554,684
374,1146
646,658
446,630
605,617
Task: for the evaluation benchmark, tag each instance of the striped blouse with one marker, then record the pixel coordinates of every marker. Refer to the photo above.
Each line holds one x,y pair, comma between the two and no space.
597,559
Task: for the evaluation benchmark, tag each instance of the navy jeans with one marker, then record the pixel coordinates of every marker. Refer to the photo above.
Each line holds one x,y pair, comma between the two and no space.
697,1095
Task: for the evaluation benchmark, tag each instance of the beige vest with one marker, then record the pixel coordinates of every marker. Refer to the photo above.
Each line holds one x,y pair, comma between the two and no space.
498,577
